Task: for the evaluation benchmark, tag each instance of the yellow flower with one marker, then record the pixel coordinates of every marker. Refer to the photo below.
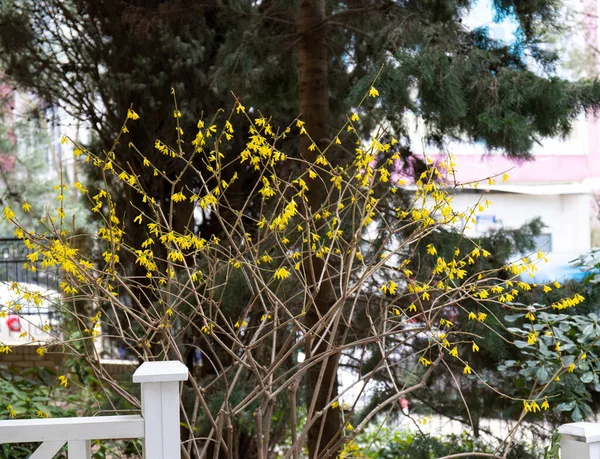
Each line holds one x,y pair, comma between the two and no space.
423,361
472,316
475,347
467,370
26,207
63,380
177,197
390,287
281,273
545,404
64,140
132,115
240,108
481,316
354,117
373,92
8,213
207,329
266,258
431,249
530,316
454,352
412,307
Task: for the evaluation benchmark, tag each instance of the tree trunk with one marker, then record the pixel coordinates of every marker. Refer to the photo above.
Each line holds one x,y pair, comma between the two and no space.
313,98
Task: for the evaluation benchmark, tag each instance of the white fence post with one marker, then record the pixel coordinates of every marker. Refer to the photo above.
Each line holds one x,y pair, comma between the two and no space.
160,407
580,440
80,449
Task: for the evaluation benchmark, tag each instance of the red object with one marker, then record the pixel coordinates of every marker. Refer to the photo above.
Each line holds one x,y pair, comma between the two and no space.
14,323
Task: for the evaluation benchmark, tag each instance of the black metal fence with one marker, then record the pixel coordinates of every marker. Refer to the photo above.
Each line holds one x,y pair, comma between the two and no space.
13,257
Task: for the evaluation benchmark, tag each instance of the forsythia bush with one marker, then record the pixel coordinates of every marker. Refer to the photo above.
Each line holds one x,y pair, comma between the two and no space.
312,273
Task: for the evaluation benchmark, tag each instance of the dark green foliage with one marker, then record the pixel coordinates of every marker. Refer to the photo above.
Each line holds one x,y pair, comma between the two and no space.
467,85
420,446
441,395
32,390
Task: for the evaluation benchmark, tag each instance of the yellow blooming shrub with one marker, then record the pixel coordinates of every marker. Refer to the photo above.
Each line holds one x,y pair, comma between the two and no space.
250,294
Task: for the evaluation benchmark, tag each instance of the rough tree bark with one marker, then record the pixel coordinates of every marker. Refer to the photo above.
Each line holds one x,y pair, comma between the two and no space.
313,98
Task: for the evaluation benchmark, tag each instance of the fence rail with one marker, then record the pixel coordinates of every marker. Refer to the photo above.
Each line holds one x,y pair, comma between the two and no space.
158,424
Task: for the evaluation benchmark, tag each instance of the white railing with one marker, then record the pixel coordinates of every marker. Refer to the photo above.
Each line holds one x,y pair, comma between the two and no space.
158,425
580,440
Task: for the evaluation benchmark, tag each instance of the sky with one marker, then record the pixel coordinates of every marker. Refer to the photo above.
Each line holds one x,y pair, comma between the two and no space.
482,15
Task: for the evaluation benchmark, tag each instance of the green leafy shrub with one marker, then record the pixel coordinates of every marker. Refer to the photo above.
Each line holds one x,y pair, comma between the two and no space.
404,445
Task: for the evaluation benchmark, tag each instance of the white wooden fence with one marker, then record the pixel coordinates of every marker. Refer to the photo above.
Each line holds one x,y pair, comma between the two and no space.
158,425
580,440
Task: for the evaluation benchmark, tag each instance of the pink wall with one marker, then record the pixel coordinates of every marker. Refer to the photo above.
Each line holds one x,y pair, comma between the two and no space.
547,168
544,169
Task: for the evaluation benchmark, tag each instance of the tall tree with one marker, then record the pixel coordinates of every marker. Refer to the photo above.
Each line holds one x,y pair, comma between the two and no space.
313,104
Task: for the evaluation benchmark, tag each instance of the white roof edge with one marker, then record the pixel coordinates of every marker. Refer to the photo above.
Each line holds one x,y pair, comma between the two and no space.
536,189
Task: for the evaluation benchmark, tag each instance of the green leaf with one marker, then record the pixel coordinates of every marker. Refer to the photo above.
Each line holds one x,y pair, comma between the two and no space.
587,377
544,350
588,330
565,326
513,317
542,374
567,406
576,415
521,344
